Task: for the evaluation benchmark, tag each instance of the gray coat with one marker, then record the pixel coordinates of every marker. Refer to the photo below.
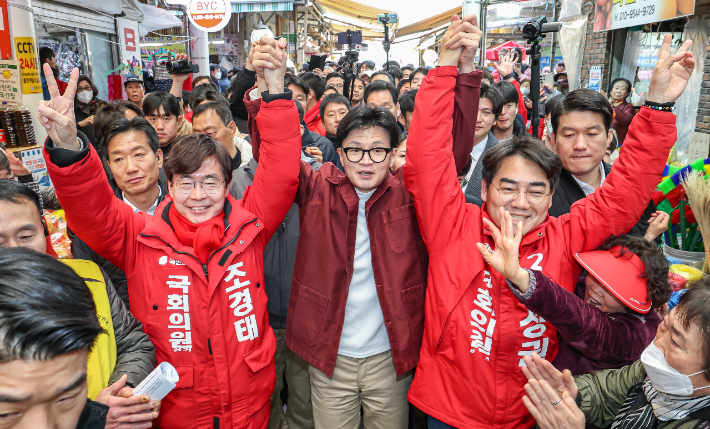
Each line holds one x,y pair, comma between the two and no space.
474,184
280,252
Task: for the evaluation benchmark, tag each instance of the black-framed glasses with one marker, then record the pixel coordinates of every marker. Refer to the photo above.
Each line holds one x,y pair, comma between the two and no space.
376,154
510,194
210,186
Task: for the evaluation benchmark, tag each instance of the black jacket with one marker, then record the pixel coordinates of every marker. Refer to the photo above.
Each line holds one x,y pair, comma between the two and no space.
245,80
309,138
93,416
81,250
569,192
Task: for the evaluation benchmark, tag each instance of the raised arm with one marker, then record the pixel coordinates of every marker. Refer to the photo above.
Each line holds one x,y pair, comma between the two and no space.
430,171
276,179
106,224
616,206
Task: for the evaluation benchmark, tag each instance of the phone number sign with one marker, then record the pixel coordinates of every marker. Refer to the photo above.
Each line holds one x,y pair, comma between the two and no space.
10,83
613,14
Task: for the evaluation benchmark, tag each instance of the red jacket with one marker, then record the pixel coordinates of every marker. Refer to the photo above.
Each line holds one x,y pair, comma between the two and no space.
476,332
226,363
313,120
328,210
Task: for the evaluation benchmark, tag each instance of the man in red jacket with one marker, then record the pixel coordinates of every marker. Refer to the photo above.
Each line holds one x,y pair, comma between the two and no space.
195,269
476,332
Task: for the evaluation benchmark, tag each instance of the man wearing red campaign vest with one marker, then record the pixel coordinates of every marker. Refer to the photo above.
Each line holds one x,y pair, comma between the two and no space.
476,332
195,269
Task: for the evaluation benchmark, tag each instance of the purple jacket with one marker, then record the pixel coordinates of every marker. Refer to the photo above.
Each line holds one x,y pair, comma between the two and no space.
591,339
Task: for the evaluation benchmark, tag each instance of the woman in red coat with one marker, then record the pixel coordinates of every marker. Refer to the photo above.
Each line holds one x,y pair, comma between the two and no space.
623,110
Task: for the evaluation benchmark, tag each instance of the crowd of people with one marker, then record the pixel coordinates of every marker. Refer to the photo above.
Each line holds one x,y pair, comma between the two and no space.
324,249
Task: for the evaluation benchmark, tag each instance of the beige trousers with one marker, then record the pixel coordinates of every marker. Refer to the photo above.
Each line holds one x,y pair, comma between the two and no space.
370,383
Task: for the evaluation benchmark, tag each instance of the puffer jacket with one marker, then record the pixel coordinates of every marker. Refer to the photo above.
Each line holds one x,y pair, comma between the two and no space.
606,395
209,321
476,332
280,252
81,250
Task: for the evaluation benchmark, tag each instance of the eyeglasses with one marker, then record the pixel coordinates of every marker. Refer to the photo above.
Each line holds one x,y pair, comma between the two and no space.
377,154
510,194
338,85
210,186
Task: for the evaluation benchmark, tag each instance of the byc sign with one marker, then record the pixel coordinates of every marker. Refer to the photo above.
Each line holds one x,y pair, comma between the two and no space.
209,15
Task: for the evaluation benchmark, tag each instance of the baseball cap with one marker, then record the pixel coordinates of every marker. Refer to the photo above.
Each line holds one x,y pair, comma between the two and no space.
133,78
369,73
620,274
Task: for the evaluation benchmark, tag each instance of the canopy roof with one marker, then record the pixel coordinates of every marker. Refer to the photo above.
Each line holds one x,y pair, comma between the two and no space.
429,24
347,14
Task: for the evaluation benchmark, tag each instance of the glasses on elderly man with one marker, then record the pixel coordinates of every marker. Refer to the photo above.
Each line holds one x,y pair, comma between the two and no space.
210,186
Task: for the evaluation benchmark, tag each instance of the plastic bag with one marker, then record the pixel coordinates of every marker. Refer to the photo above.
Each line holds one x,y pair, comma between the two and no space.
57,227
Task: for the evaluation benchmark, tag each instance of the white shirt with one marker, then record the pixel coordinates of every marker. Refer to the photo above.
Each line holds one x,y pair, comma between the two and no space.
364,333
588,189
151,210
476,154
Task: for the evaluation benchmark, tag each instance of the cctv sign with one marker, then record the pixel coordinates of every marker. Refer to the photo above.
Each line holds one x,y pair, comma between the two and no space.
209,15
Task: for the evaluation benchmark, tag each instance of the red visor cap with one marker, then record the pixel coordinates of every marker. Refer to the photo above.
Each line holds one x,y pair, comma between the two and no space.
620,274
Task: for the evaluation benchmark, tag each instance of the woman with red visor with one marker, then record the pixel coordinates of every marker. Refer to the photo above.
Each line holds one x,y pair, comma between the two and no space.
613,319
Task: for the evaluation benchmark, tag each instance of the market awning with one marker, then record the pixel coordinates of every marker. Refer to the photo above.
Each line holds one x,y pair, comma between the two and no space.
492,52
155,18
347,14
243,7
429,24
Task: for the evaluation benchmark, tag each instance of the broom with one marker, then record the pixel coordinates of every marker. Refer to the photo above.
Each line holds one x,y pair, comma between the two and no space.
698,191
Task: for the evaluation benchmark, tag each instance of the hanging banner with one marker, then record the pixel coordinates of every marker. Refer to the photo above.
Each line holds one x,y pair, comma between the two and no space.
5,42
613,14
595,77
130,43
209,15
10,84
29,72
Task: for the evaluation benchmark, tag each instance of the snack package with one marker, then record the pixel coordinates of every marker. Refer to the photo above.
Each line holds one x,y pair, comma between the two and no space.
57,226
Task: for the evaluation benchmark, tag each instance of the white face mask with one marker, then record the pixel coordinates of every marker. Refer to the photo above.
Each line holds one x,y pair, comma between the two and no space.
525,91
218,74
85,96
665,378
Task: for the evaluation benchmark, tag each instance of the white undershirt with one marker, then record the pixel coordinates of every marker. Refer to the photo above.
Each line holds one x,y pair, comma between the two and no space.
587,188
151,210
476,155
364,333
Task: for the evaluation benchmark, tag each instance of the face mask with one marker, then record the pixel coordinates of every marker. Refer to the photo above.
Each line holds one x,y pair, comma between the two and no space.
218,75
665,378
525,91
85,96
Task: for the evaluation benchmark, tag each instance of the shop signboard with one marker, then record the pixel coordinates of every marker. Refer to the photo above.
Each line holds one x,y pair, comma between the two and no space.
34,161
130,42
5,42
29,72
613,14
595,77
10,84
209,15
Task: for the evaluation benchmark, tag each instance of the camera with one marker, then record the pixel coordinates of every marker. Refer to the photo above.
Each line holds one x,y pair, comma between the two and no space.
387,18
181,67
538,26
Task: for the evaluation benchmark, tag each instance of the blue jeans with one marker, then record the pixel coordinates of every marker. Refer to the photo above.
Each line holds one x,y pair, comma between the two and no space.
433,423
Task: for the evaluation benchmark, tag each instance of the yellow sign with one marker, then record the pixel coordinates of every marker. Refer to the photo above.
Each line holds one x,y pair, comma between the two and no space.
29,71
